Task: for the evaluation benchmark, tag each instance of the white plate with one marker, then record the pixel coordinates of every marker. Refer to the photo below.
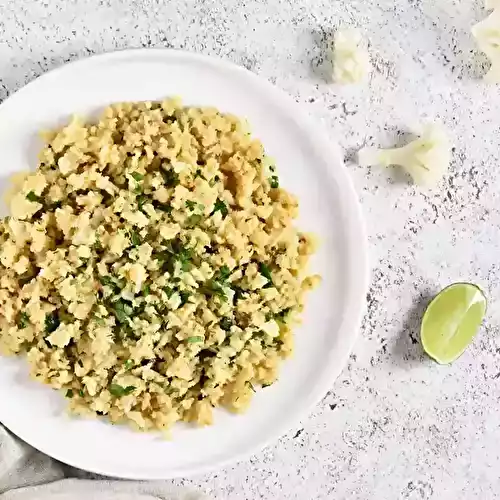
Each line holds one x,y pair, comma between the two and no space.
308,164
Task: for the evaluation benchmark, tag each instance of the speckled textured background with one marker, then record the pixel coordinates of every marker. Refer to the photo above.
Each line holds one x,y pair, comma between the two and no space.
394,425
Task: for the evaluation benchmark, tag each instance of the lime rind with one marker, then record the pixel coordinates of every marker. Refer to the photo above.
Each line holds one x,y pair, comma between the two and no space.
451,321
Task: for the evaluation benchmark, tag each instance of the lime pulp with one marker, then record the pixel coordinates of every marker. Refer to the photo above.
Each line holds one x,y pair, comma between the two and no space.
451,321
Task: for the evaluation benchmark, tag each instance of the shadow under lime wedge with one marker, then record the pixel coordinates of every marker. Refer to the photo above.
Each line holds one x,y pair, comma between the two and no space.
451,321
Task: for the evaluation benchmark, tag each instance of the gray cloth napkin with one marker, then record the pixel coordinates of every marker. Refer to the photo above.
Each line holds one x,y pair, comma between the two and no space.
26,474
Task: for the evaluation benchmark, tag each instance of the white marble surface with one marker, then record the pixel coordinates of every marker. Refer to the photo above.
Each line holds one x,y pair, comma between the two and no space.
394,425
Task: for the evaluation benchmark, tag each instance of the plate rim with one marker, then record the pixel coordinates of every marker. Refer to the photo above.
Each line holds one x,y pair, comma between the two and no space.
356,303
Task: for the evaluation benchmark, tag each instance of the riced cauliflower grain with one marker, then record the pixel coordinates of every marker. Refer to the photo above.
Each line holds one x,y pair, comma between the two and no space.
150,268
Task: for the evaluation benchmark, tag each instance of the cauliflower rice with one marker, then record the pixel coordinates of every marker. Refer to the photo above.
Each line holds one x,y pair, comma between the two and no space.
150,268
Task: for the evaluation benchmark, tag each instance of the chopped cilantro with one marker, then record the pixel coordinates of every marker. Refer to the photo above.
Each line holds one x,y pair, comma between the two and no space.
265,271
146,290
23,320
122,310
116,284
191,204
216,284
135,238
128,364
170,177
51,322
81,393
192,340
224,273
274,182
238,293
69,393
220,206
31,196
184,297
168,291
213,287
119,391
141,201
163,207
193,220
281,316
100,321
226,324
175,251
137,176
56,204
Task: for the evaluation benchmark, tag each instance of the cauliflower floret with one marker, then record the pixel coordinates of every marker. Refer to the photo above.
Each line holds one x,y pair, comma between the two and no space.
487,35
426,159
351,62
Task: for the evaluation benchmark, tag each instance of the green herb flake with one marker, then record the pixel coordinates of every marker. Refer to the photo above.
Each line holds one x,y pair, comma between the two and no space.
168,291
146,290
116,284
274,182
163,207
128,364
221,207
51,322
31,196
198,174
192,340
122,310
225,324
224,273
193,220
23,320
265,271
100,321
119,391
69,393
191,204
137,176
170,177
141,201
81,393
135,238
184,297
213,287
282,315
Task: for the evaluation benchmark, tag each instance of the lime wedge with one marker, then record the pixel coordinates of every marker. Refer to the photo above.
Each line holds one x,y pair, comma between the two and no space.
451,321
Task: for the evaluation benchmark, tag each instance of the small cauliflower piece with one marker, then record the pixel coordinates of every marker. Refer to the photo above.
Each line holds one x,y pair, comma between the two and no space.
271,328
22,208
426,159
62,336
487,35
138,275
351,62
